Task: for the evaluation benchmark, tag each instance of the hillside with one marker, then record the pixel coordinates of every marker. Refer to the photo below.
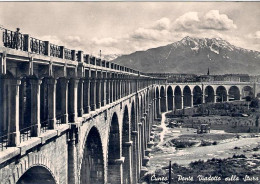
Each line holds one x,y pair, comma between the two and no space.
195,55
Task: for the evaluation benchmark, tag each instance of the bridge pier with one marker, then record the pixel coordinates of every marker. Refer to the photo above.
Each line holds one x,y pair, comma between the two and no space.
64,100
72,157
80,97
51,82
90,149
140,147
73,99
93,94
13,112
98,93
215,98
104,91
35,106
86,96
191,98
127,153
135,160
116,171
182,102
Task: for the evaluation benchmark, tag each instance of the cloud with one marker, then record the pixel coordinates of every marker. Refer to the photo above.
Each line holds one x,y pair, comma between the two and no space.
162,24
165,31
105,41
52,39
73,40
161,32
214,20
70,42
149,34
158,31
187,22
255,35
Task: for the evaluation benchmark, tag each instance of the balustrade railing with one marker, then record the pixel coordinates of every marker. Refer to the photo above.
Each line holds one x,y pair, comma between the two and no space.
59,120
23,42
38,46
14,40
3,140
98,62
67,54
55,51
25,133
92,61
44,126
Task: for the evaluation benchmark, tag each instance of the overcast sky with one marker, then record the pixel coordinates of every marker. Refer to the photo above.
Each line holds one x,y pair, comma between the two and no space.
125,27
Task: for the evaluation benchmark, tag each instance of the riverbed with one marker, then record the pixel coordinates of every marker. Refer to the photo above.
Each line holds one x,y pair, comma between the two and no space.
162,154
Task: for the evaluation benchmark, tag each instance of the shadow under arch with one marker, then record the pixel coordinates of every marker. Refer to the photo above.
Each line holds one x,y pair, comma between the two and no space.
126,149
178,97
163,99
157,96
35,175
114,169
134,138
197,95
234,93
92,166
221,93
209,94
187,97
170,98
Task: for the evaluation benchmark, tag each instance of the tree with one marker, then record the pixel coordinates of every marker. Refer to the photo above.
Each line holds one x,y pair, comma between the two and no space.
254,103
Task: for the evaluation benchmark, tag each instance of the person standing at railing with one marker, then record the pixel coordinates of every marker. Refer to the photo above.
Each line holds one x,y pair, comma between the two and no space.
16,39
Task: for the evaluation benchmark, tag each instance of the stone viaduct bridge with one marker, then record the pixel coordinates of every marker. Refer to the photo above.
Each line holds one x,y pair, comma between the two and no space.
67,117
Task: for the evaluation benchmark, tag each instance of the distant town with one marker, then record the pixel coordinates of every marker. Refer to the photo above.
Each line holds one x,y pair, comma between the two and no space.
174,77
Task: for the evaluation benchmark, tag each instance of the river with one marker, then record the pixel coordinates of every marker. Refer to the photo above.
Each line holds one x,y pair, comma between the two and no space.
162,154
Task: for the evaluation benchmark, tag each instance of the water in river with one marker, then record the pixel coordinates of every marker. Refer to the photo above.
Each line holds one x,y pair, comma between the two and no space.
162,154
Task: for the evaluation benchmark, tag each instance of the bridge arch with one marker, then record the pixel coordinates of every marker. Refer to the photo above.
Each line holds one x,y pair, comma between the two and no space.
25,168
247,91
157,95
141,105
187,97
126,149
37,174
178,97
134,138
197,95
92,166
170,98
162,99
233,93
114,169
221,93
209,94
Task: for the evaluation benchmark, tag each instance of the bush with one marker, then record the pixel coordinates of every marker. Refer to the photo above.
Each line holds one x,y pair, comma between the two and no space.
254,103
205,143
182,143
239,156
215,143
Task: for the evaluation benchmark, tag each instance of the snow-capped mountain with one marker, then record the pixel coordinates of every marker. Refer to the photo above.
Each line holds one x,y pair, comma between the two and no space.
109,57
195,55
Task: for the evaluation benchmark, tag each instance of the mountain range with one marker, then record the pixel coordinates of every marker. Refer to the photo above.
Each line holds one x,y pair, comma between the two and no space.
194,55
